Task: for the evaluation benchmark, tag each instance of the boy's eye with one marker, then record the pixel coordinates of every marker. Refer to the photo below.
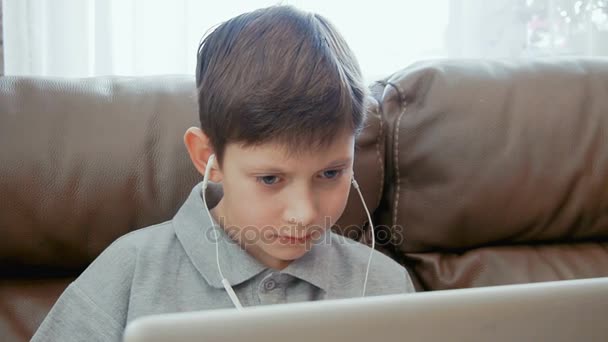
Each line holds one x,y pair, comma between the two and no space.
268,180
331,174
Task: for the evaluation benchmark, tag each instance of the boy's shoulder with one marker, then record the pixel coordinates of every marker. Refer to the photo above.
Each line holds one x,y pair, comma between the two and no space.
98,301
128,247
144,237
126,250
350,259
357,254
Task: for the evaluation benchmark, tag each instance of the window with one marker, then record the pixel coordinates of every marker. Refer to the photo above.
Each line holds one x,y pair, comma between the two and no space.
78,38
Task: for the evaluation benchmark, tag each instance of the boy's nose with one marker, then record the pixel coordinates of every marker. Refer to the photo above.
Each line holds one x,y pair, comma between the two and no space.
300,209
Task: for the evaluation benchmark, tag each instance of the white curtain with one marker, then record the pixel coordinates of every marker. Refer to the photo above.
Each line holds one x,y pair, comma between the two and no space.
1,44
79,38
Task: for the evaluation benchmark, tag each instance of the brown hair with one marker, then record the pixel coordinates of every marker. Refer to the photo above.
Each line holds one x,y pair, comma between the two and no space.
278,74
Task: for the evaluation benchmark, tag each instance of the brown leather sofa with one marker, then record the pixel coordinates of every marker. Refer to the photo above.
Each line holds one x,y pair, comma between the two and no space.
478,172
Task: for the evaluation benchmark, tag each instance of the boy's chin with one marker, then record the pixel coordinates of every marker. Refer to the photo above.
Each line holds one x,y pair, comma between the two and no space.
289,252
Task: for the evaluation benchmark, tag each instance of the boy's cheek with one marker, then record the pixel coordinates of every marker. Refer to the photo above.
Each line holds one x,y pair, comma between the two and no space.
336,203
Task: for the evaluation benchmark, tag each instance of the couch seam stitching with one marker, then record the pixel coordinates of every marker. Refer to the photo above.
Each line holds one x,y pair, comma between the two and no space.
379,159
396,162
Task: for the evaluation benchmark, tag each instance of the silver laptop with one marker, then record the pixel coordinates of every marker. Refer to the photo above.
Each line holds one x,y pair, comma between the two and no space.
573,310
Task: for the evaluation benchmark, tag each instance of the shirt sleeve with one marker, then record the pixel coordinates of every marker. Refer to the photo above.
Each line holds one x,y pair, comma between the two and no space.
75,317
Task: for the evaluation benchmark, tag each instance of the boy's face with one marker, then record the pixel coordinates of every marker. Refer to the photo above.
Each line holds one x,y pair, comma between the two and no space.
276,205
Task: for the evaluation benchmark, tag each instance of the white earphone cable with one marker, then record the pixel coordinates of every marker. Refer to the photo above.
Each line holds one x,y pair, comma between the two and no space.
371,225
225,283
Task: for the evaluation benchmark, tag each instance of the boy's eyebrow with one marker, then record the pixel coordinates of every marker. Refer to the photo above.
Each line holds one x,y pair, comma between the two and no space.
346,160
274,169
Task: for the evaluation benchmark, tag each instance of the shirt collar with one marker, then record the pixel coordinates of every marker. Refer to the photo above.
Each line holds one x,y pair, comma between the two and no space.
315,266
196,233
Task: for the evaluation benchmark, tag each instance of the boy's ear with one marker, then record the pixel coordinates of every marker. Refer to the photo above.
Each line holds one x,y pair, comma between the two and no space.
199,148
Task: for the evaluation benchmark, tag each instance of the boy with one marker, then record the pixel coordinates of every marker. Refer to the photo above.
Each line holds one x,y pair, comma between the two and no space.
280,103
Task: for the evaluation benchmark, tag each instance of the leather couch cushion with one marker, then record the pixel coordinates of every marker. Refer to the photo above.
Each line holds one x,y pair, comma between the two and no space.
89,160
510,265
496,152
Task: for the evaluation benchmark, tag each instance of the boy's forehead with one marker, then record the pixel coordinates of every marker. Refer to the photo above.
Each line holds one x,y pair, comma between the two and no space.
277,154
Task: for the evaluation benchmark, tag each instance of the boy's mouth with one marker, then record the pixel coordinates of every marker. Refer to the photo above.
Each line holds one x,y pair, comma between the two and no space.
294,239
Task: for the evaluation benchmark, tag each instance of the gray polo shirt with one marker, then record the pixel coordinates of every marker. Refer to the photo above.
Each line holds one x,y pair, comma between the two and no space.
171,267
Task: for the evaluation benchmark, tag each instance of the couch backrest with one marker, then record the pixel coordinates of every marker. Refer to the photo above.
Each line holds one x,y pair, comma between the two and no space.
84,161
497,172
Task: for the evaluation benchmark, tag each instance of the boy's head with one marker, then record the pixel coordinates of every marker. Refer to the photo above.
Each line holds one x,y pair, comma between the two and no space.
281,101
